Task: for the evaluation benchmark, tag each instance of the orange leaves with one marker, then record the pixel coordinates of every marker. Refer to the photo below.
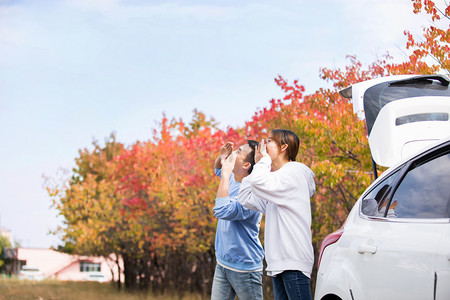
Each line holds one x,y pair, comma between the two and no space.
430,52
417,4
88,202
429,7
169,184
354,72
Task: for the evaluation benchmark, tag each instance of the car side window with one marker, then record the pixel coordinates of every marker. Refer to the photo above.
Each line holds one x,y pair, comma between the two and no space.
372,203
424,192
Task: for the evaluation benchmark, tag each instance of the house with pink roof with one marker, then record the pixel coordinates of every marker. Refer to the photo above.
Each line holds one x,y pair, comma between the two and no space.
63,266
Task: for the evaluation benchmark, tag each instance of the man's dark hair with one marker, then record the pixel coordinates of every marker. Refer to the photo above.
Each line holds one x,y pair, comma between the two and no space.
251,155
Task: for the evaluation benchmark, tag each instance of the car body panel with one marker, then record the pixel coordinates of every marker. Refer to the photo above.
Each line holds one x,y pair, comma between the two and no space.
333,275
31,273
443,267
95,276
334,278
381,252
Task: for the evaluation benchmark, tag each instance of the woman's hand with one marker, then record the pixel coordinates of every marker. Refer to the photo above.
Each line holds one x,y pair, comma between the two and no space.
260,151
228,165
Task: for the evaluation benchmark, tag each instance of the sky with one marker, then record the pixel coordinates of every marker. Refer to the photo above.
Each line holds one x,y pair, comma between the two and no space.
74,71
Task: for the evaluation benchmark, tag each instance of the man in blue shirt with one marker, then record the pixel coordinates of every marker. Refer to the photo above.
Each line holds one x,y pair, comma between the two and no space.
239,253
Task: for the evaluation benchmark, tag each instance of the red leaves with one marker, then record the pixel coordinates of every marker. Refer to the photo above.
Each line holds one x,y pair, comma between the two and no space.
171,181
134,202
432,47
353,73
429,7
294,93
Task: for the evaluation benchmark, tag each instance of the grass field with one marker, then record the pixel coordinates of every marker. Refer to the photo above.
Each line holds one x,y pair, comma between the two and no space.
14,289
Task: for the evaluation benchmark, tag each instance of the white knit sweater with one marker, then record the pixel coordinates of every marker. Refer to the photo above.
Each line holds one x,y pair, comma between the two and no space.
284,197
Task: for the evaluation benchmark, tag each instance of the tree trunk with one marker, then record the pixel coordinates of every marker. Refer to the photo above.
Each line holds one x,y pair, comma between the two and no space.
119,281
129,266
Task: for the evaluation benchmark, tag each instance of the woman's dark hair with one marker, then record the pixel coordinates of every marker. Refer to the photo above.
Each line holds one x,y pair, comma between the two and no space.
284,136
251,155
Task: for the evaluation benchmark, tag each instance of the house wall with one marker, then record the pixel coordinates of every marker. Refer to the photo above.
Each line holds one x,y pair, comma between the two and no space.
62,266
71,272
47,260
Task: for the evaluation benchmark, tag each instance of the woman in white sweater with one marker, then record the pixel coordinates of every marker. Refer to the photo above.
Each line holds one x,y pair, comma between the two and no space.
281,188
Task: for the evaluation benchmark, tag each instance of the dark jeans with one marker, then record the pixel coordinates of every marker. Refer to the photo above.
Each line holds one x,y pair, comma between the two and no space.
291,285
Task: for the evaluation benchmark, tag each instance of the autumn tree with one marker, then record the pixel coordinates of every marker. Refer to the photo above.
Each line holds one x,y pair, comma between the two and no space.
89,205
4,243
150,204
169,186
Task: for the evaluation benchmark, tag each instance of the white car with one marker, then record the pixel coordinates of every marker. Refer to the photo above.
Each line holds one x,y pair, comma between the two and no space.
96,276
395,243
31,273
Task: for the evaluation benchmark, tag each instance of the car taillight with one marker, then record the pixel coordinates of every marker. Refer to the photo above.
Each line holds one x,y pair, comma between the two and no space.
328,240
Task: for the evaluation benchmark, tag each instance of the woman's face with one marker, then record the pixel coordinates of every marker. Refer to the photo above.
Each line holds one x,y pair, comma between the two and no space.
272,148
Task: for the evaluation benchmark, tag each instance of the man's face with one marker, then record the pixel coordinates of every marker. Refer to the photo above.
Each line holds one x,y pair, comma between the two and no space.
241,155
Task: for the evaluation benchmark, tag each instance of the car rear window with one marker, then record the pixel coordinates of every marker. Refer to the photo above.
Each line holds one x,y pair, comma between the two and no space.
424,191
421,118
383,93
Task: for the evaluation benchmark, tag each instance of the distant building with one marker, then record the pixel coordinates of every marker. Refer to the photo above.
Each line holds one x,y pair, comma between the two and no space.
62,266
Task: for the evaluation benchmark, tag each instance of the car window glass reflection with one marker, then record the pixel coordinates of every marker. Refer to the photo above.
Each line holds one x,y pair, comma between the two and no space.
372,202
425,191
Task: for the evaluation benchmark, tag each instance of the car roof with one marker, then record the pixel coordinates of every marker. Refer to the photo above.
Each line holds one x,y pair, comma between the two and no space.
403,113
29,268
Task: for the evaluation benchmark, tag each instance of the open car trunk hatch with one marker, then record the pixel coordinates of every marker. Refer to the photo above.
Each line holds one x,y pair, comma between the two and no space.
403,113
